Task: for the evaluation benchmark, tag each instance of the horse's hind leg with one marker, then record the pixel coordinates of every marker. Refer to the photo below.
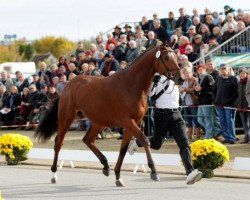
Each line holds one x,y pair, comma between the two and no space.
64,121
124,147
89,140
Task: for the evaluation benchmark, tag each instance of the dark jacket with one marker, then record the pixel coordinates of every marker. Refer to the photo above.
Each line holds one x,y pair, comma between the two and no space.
16,101
215,74
23,85
33,99
241,101
161,34
106,67
150,43
119,52
4,99
184,22
192,57
224,92
131,55
42,99
205,95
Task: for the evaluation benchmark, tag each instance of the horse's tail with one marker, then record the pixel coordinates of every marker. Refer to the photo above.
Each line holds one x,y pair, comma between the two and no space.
48,123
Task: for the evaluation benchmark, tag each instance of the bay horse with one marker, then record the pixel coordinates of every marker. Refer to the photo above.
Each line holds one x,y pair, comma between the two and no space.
119,100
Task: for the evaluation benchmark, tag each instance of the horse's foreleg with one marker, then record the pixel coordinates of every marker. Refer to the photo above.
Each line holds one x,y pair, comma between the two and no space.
89,140
124,147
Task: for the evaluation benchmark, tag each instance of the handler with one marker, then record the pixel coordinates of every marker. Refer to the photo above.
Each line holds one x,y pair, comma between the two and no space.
167,117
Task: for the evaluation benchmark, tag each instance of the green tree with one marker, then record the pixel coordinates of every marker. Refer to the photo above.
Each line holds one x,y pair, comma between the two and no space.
29,51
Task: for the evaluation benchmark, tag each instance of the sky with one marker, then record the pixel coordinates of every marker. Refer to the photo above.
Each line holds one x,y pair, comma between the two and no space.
82,19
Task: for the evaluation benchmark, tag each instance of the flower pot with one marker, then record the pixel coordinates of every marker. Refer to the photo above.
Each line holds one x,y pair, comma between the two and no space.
12,161
207,173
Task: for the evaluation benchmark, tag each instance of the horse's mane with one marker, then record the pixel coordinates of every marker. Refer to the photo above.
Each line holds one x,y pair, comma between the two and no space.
140,55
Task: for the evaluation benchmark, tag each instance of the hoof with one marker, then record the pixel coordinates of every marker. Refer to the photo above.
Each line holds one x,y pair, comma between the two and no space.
154,176
105,172
119,183
53,180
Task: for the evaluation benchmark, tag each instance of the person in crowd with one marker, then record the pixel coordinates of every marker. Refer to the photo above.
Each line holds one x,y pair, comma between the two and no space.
230,21
127,31
110,64
131,37
207,12
233,46
191,33
246,19
24,109
183,61
215,17
123,65
198,43
22,82
62,61
244,40
61,71
72,69
15,80
35,81
224,94
89,56
111,40
242,104
197,24
216,33
171,23
144,24
52,92
190,99
120,50
183,21
168,117
61,85
151,40
141,41
111,49
117,33
81,60
4,97
44,71
206,115
212,44
160,32
54,70
132,53
11,109
79,49
55,81
195,14
174,40
71,76
205,33
184,42
99,40
221,21
240,15
32,103
211,69
7,82
93,50
101,48
100,59
210,23
189,51
72,59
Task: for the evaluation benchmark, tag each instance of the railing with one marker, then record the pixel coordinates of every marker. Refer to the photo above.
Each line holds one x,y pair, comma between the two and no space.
239,43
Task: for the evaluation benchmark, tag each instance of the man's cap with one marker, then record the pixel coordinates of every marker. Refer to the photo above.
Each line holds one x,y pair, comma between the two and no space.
127,26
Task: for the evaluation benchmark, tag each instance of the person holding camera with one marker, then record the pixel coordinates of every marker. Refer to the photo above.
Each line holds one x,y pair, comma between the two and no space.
167,117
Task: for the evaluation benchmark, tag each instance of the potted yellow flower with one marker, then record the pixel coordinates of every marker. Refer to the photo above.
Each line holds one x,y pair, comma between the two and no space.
15,148
207,155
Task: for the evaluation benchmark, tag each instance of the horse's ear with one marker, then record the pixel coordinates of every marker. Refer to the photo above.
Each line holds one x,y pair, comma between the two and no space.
164,44
171,44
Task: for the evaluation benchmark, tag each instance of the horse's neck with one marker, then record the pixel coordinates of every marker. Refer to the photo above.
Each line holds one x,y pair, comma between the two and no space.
143,70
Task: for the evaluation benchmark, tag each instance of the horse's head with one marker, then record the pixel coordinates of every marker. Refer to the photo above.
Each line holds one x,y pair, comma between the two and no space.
167,61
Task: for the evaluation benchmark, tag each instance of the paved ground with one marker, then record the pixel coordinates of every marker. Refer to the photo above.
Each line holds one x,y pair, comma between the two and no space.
33,182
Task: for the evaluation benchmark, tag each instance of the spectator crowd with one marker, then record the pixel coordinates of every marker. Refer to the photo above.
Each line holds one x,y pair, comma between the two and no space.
209,96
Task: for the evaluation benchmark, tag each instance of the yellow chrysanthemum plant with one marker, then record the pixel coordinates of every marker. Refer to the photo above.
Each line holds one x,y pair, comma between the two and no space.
1,198
15,147
209,154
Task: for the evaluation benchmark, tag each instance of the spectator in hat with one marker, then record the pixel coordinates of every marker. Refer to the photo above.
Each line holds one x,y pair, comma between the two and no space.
35,81
197,43
110,64
127,31
228,10
151,40
224,94
183,21
132,53
111,40
144,24
242,104
117,33
160,32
